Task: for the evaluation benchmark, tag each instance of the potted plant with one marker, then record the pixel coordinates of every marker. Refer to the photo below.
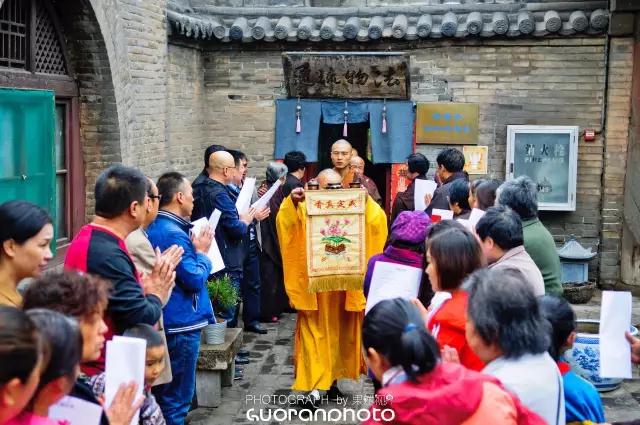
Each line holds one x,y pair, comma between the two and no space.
223,296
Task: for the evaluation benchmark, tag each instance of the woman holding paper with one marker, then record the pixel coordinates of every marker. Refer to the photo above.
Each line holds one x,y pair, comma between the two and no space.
83,297
405,246
453,253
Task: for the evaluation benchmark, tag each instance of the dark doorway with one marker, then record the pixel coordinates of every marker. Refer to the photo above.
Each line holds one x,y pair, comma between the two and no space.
358,136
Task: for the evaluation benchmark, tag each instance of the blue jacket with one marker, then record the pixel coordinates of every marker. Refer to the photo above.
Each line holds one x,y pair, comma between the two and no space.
189,307
209,195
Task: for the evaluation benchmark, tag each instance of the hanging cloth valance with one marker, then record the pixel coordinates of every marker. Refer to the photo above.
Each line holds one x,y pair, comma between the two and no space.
333,111
391,123
297,129
396,143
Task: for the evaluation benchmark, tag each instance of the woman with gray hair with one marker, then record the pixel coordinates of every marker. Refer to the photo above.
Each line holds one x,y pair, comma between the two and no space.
506,329
274,300
275,171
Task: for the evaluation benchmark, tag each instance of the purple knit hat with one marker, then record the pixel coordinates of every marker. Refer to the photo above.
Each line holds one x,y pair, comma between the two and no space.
410,226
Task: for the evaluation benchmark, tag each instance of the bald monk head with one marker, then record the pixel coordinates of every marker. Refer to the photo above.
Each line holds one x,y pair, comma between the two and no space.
222,167
340,156
356,164
328,177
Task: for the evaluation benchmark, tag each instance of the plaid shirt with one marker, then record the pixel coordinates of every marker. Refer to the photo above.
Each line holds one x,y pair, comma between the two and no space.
150,413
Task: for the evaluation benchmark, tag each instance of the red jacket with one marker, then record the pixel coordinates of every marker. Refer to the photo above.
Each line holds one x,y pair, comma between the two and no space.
451,320
450,395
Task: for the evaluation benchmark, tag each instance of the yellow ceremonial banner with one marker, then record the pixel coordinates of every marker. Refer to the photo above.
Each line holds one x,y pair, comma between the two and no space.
336,258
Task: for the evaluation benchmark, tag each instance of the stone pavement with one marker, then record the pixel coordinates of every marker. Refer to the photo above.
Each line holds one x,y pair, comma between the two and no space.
267,384
270,373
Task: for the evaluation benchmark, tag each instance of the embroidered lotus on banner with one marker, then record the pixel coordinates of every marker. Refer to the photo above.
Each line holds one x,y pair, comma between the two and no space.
336,239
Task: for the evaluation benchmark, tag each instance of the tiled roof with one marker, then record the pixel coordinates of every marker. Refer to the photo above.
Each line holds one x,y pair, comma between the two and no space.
318,24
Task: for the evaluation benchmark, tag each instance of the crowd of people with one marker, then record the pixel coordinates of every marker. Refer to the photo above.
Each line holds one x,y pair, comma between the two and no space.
482,342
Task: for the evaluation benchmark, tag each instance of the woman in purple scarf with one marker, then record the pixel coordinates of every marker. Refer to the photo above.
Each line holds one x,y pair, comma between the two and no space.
406,246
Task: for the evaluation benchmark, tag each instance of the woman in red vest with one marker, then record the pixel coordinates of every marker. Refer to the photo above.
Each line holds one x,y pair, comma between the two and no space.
453,253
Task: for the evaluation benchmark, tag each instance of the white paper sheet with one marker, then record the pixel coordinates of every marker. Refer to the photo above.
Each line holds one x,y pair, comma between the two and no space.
421,188
444,214
390,281
74,411
475,217
615,320
244,198
198,225
466,223
215,219
264,200
125,362
214,251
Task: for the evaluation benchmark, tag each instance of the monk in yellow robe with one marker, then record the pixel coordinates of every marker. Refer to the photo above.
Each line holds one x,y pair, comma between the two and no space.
327,342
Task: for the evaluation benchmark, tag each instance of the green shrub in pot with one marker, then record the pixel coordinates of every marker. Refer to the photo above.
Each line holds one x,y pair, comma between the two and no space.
222,293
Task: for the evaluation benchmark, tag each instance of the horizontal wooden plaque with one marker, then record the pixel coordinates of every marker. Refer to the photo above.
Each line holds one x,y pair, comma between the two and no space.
347,75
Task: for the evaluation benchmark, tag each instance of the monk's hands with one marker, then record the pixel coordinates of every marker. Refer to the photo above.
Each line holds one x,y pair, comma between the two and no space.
247,218
262,214
297,195
202,242
635,347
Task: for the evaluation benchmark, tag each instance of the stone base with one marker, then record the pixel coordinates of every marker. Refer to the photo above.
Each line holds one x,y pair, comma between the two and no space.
216,368
209,388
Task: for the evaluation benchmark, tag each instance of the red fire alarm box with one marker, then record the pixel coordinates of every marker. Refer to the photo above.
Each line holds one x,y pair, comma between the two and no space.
589,135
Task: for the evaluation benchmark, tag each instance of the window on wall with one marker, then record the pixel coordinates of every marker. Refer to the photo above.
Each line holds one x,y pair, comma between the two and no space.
33,55
62,173
28,38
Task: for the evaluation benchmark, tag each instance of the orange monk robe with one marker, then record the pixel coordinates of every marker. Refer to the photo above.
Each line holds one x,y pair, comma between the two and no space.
327,342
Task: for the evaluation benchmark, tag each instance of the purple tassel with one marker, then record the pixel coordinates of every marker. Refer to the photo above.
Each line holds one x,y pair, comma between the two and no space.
384,117
346,118
298,110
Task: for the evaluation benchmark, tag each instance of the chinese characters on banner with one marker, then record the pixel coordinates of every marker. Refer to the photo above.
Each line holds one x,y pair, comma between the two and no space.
347,75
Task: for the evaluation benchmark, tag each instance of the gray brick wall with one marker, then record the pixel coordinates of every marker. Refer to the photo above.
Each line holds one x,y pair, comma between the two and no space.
186,128
551,81
615,155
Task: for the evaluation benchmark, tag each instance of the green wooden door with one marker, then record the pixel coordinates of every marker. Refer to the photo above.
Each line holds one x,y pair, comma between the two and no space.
27,167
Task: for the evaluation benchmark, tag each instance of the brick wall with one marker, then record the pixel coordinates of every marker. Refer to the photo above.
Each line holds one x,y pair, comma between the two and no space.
186,128
240,92
135,33
615,155
99,126
552,82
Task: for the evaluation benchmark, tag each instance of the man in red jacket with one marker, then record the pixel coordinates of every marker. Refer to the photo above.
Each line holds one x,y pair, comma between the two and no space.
99,249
